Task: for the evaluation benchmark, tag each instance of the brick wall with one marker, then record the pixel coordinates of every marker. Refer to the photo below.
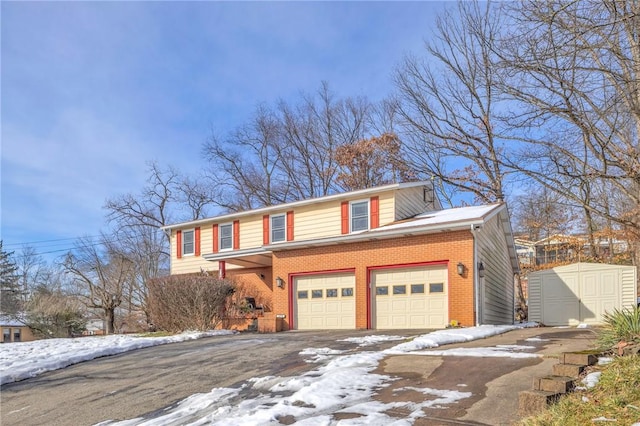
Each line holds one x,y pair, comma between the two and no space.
452,247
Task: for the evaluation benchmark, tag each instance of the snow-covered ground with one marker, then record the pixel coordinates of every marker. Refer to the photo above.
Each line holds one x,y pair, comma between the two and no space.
343,382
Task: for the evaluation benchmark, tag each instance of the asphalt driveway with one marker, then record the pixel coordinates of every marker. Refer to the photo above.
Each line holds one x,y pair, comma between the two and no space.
144,382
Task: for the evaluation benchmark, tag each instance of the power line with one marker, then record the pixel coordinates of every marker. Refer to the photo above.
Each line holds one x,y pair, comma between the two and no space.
48,241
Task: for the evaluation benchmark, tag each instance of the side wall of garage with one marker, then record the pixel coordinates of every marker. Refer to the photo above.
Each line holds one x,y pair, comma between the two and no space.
497,289
449,247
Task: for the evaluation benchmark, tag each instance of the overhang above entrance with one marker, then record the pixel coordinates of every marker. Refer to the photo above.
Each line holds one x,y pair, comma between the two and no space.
251,258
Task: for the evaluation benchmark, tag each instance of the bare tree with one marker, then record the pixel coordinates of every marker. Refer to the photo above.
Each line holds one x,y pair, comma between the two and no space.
572,71
541,213
287,152
32,271
245,165
102,275
450,103
136,220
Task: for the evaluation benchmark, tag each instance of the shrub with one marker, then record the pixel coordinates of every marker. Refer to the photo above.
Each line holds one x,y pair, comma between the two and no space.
620,326
188,302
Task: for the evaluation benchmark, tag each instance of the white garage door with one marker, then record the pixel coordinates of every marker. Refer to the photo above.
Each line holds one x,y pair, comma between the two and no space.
410,298
570,299
325,302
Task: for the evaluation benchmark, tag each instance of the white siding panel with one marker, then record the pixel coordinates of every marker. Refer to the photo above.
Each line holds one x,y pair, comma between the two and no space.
410,202
534,287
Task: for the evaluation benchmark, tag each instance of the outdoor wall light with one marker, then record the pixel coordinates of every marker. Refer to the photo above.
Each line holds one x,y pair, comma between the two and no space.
481,270
460,268
280,282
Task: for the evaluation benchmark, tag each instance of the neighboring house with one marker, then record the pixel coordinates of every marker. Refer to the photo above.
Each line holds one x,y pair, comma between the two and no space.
94,327
526,251
14,330
379,258
564,249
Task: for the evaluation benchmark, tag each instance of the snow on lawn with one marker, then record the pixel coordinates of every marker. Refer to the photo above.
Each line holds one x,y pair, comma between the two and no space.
19,361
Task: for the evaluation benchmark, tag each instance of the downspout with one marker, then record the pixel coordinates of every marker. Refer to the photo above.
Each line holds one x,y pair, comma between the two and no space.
476,279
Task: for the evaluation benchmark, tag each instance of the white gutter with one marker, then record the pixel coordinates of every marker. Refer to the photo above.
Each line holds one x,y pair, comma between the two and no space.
476,278
378,233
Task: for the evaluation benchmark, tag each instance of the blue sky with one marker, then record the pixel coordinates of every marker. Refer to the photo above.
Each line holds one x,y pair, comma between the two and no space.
93,91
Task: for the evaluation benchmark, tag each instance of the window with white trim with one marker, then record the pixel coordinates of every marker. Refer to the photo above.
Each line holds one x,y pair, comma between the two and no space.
359,215
188,242
278,228
226,236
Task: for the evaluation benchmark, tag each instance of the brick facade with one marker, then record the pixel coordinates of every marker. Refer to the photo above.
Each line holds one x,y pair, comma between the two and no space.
446,247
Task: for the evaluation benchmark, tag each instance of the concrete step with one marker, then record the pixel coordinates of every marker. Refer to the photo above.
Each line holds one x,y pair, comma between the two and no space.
578,358
569,370
534,401
559,384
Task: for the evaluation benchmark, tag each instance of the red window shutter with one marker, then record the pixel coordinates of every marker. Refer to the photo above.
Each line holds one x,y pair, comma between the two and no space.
290,226
197,238
265,229
345,217
215,238
236,234
179,244
374,206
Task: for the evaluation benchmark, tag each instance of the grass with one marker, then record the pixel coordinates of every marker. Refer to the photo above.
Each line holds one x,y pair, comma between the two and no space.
616,396
620,325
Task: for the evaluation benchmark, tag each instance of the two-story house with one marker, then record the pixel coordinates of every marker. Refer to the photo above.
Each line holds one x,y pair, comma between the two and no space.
381,258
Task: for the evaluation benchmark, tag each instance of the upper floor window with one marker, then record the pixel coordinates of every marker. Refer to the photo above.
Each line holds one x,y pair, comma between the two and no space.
226,236
359,216
188,242
278,228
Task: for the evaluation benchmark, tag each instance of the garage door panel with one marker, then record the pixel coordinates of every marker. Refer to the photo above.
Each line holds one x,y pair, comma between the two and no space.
408,302
327,305
579,297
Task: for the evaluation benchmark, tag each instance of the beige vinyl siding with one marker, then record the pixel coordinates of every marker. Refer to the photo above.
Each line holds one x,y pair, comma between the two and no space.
250,232
317,221
497,292
190,264
387,208
410,202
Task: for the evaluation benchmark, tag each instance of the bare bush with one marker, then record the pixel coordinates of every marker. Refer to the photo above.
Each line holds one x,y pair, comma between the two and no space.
188,302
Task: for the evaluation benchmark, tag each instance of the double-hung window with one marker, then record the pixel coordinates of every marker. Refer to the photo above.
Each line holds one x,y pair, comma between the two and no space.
359,215
188,242
226,236
278,228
